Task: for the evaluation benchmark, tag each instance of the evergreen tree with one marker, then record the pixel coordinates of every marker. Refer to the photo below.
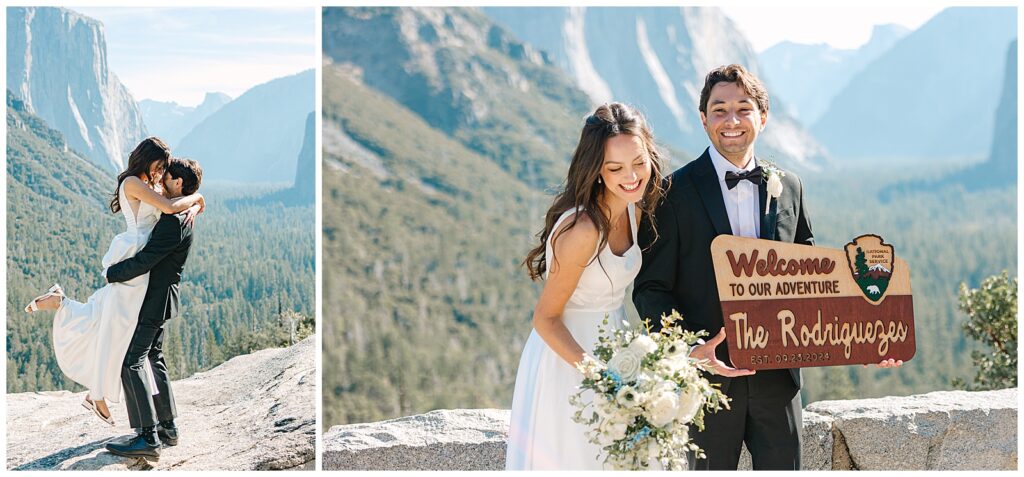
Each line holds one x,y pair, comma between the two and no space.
860,263
992,319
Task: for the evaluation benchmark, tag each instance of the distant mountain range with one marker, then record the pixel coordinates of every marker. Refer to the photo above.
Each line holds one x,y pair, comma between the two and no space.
256,137
57,65
467,77
171,121
930,97
807,77
656,59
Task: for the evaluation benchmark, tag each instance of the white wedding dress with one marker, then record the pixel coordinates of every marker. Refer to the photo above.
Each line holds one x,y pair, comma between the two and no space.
91,339
542,434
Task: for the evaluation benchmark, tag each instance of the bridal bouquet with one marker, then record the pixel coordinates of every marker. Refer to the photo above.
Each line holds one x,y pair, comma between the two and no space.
646,391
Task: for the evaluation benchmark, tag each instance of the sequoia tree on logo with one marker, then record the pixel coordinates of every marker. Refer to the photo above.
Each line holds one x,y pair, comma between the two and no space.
871,263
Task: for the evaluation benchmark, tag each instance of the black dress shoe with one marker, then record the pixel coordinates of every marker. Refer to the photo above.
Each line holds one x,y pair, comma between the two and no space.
168,435
138,446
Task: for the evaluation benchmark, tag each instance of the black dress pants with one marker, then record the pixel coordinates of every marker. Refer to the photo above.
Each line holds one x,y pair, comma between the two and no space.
146,409
766,414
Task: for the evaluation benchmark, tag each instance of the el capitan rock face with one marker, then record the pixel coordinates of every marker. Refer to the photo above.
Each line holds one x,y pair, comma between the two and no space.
57,65
254,412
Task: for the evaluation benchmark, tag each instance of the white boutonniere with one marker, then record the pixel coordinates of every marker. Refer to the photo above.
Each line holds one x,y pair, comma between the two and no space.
773,179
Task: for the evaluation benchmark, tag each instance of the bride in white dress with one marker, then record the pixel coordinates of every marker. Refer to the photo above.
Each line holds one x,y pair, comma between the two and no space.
90,339
588,256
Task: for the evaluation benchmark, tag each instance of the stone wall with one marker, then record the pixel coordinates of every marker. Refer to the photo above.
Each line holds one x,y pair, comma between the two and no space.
943,430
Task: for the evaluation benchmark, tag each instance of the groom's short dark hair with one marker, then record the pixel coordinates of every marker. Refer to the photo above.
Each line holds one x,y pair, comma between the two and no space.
188,170
734,73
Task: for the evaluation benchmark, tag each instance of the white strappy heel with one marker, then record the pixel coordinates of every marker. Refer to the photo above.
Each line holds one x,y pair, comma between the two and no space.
91,405
55,290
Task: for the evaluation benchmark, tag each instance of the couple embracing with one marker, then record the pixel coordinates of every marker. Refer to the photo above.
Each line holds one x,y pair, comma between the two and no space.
115,339
620,222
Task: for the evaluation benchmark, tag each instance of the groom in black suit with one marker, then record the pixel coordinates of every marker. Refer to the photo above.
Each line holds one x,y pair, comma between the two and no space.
725,191
164,258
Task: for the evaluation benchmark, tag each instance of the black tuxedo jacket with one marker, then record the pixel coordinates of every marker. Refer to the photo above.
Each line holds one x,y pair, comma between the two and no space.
164,257
677,271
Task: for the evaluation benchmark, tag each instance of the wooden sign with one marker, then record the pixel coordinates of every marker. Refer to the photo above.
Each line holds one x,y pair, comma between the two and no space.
793,306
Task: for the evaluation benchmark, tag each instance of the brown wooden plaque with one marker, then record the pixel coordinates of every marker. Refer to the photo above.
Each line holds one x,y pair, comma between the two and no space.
795,306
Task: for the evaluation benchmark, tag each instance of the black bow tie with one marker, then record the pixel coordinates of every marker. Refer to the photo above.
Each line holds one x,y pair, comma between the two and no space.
753,175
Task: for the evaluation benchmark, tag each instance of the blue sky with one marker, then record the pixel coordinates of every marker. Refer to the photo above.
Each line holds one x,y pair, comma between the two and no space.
844,27
179,54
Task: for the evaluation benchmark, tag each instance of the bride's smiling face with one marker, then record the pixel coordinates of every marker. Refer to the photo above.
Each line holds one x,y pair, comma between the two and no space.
627,167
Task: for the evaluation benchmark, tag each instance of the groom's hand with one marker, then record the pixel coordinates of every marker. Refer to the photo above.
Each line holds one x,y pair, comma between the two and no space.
706,353
889,363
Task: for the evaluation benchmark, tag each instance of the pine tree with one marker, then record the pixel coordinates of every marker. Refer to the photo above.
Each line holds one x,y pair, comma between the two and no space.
992,319
860,263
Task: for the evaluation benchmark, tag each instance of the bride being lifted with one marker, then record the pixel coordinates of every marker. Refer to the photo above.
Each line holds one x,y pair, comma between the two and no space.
91,339
588,256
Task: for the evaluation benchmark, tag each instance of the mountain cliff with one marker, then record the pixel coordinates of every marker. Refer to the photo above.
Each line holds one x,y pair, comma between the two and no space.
656,59
257,136
807,77
930,97
57,65
171,121
467,77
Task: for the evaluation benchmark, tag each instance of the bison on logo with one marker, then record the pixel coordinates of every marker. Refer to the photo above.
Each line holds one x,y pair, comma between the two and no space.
871,261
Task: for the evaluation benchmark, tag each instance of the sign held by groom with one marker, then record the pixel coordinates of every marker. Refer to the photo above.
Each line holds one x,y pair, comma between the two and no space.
794,306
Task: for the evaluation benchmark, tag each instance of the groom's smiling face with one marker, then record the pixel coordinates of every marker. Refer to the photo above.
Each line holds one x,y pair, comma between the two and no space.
733,122
171,186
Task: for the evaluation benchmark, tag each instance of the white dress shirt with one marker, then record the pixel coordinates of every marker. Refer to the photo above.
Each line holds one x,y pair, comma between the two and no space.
741,202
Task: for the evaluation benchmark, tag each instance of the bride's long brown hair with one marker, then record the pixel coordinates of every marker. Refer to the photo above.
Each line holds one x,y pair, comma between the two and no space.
150,150
581,189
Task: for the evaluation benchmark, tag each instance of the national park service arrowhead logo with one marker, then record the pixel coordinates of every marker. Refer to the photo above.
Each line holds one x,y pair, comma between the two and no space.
871,261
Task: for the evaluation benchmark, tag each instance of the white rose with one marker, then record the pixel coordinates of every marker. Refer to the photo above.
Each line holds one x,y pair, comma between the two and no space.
643,345
774,185
674,363
774,189
614,430
690,401
663,408
654,452
626,364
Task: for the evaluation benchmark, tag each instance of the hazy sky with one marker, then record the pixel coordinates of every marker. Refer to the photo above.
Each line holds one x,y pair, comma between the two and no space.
843,27
179,54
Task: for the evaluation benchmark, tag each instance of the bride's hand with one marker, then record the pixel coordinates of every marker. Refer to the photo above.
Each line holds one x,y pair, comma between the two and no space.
202,203
191,213
706,352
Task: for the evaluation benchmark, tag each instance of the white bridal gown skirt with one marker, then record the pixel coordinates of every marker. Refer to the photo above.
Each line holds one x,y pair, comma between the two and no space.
91,339
542,434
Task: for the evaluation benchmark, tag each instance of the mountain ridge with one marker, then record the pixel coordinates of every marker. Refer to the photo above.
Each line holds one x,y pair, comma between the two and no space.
57,64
